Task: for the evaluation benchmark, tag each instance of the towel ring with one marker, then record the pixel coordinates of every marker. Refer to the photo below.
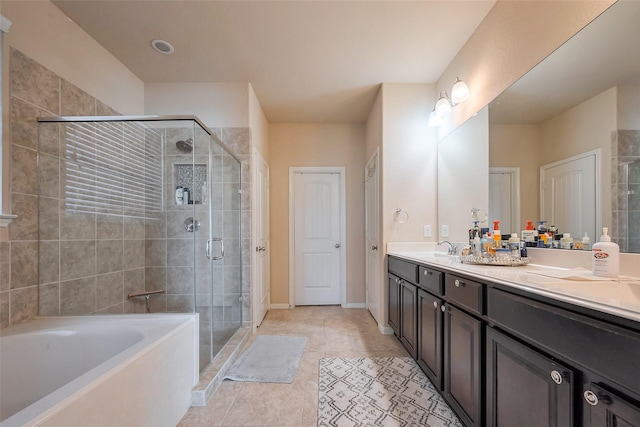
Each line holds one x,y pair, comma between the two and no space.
401,216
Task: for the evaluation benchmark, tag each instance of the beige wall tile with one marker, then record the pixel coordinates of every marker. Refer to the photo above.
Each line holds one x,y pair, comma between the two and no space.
49,176
5,266
109,256
34,83
74,101
78,296
24,126
49,299
4,309
109,290
134,254
25,226
24,264
24,304
77,259
49,261
24,170
49,218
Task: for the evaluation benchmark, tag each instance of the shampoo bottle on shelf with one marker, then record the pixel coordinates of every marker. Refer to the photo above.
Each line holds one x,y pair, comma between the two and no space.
586,242
605,256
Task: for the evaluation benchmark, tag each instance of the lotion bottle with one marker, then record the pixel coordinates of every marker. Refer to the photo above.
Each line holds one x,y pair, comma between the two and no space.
529,233
605,256
497,237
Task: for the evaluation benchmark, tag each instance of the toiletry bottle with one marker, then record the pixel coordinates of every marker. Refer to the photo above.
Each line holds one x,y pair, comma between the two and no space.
514,245
523,249
179,195
473,231
477,245
486,243
185,196
605,256
566,241
529,233
586,242
497,237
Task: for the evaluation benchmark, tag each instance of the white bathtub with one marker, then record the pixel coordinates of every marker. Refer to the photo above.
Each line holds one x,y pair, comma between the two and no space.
118,370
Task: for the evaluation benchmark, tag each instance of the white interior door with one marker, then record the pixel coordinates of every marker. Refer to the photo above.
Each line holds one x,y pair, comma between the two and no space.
504,198
372,238
569,195
261,283
317,238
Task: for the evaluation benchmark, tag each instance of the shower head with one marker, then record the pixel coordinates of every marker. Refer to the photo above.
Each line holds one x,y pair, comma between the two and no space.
185,146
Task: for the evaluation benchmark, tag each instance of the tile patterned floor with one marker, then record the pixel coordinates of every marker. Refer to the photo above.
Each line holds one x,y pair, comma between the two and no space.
332,332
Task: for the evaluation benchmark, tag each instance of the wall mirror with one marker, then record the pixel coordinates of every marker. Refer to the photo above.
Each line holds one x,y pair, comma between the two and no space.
583,100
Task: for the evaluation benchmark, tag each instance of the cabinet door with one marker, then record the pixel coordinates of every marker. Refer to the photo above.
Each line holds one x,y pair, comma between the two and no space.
462,364
604,408
394,304
430,336
525,388
409,317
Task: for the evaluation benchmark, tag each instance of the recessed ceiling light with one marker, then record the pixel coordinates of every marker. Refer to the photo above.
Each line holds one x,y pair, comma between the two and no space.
162,46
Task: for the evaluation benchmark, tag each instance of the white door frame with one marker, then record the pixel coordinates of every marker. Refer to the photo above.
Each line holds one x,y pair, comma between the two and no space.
255,283
514,173
343,236
375,157
598,174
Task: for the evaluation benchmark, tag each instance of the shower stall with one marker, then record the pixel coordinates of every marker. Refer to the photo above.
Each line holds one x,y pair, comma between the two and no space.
140,214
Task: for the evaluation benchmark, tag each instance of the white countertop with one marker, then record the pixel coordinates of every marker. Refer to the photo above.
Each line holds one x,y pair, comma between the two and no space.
620,298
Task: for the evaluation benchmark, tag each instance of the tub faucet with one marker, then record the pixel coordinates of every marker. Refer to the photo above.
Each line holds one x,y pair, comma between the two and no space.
453,249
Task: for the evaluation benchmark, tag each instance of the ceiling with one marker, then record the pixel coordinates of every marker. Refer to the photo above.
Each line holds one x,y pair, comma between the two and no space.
307,60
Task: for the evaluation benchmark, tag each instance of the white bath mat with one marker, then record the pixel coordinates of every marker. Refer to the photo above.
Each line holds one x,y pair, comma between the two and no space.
379,391
269,359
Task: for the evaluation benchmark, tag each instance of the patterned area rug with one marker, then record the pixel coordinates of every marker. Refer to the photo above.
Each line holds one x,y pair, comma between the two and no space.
379,391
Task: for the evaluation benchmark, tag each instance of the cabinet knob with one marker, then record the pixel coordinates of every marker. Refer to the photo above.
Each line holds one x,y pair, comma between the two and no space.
556,377
458,283
397,280
374,248
443,308
435,304
593,399
427,273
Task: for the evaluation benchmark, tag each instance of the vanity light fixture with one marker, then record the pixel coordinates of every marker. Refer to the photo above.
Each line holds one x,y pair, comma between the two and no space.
445,104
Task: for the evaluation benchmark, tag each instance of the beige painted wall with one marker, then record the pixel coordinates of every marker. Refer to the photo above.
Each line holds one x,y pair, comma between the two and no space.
512,39
316,145
519,146
409,161
259,126
41,31
628,107
216,104
583,128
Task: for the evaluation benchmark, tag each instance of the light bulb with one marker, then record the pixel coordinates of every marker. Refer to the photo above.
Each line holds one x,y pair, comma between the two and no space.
434,119
443,106
459,92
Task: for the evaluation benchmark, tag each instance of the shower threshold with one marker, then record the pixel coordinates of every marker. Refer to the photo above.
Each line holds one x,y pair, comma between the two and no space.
211,378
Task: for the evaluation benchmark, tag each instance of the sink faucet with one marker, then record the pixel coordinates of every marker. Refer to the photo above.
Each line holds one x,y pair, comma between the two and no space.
453,249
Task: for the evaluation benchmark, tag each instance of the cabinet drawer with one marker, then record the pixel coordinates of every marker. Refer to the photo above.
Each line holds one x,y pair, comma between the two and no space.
430,279
404,269
605,349
464,292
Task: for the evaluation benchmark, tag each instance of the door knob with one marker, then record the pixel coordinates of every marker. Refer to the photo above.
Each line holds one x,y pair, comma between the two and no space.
337,245
260,248
374,248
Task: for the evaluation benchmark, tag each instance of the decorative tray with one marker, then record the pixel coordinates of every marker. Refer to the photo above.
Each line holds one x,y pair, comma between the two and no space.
499,261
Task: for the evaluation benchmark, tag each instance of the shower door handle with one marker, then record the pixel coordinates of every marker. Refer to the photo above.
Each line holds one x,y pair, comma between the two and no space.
208,249
219,239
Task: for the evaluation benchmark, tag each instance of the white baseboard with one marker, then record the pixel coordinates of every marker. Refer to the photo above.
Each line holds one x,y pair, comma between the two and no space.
385,330
355,305
279,306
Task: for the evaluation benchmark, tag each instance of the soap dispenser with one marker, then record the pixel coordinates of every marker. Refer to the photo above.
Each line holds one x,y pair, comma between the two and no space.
605,256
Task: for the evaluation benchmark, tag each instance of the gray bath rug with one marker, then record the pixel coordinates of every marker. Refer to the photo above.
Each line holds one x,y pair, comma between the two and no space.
379,391
269,359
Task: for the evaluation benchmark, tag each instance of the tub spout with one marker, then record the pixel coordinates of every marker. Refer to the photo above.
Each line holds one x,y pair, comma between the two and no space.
146,295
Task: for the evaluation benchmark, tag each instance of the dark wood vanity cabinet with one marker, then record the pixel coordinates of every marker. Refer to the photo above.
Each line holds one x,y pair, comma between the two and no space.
430,328
525,388
409,317
403,303
463,364
504,357
393,298
605,408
